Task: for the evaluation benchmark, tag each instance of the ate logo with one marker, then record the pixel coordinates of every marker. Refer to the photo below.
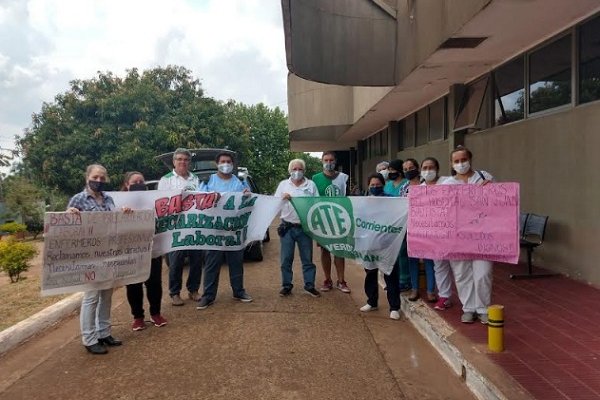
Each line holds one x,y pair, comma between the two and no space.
332,191
329,220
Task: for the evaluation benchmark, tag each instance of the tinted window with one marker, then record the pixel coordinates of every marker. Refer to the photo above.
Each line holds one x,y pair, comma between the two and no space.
550,75
471,104
422,127
589,61
409,132
437,120
509,96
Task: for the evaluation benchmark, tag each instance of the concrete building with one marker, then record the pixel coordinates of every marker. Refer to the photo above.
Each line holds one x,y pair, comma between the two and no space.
516,81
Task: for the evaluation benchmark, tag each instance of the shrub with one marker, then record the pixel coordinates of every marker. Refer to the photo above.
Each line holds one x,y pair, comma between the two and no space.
13,227
14,257
35,226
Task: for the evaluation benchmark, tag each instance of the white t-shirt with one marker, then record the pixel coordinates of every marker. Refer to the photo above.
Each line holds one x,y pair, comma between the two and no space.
306,189
473,179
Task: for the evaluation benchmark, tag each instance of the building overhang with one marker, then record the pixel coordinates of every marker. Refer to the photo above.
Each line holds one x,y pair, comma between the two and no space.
510,28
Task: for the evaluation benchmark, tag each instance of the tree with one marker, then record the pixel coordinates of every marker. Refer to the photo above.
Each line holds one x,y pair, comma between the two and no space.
24,197
269,150
29,201
122,123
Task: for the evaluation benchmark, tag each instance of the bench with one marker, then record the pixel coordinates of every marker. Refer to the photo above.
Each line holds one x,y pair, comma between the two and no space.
532,229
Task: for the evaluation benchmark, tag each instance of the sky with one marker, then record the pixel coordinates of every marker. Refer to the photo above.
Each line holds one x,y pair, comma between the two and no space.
235,47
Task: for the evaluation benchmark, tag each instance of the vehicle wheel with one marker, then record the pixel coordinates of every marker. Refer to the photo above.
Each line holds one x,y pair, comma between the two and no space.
267,237
254,251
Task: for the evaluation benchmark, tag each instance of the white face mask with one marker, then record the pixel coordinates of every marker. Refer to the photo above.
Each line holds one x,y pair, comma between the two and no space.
225,168
297,175
428,175
462,168
329,166
384,173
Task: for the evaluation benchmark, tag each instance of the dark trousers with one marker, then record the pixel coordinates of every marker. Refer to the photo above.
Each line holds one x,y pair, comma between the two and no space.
392,290
135,292
176,259
214,259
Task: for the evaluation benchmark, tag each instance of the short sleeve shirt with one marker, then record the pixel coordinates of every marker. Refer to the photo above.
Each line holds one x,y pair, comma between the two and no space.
84,201
396,191
217,184
477,177
306,189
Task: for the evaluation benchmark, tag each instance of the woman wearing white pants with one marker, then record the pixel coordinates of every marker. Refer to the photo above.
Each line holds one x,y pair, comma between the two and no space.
473,277
430,169
95,306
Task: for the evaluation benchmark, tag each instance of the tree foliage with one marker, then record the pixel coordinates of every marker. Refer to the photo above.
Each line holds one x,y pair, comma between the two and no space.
123,123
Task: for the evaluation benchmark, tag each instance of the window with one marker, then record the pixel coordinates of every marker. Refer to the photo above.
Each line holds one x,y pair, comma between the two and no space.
509,93
589,61
384,141
422,127
437,120
409,132
550,75
471,105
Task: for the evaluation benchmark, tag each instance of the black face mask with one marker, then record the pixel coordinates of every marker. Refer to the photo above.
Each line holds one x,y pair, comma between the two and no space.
392,176
136,187
97,186
413,173
376,190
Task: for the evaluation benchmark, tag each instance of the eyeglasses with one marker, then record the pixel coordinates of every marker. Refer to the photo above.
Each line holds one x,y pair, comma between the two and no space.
182,159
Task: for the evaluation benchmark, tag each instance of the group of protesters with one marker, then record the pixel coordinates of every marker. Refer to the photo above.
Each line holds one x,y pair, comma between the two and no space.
392,179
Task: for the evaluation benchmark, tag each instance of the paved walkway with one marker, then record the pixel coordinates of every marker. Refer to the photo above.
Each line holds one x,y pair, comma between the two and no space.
274,348
552,334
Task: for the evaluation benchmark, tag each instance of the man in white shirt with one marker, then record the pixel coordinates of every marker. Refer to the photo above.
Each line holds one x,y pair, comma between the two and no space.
291,233
181,178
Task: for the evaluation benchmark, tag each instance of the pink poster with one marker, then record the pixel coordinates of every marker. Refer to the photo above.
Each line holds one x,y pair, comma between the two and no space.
464,222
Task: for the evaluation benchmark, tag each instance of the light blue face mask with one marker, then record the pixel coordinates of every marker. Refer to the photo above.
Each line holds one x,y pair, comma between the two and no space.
329,166
297,175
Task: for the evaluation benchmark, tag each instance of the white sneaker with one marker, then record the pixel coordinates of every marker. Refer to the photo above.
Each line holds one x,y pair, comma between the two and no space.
367,308
395,315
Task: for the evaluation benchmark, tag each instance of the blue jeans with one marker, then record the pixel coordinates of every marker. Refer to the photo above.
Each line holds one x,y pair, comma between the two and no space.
413,269
212,268
305,247
94,317
176,259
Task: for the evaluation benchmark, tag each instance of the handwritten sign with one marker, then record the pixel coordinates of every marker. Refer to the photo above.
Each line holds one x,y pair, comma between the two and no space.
186,220
96,250
464,222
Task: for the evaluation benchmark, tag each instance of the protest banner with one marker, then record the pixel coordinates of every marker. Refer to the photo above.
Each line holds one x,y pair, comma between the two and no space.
370,229
96,250
187,220
464,222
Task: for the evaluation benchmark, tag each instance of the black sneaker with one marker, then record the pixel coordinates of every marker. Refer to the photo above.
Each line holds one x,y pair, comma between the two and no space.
313,292
285,291
204,303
